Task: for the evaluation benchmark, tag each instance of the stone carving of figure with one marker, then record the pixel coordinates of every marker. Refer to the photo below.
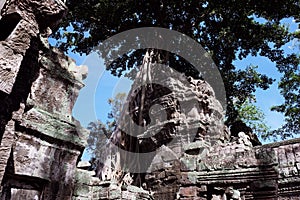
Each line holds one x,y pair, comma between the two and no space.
244,139
240,126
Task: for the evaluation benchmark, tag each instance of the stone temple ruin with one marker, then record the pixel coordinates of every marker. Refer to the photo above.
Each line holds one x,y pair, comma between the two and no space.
41,143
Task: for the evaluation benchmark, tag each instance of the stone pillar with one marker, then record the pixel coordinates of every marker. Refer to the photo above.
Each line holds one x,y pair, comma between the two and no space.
40,141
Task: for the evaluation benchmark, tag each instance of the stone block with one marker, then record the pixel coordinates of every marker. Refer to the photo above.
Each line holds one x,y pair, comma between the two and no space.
191,191
296,149
188,163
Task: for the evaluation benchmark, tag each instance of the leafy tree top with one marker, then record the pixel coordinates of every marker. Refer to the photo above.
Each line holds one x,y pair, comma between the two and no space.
226,29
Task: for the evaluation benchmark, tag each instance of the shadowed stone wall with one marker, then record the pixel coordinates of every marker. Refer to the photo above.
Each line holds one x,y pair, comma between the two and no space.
40,141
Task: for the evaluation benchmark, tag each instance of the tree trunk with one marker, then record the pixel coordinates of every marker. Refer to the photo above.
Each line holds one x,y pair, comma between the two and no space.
137,109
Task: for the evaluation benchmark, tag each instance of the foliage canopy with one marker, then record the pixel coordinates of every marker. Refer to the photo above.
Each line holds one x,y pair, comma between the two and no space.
228,30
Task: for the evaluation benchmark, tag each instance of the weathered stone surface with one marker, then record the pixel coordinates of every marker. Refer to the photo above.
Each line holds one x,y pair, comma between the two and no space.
5,148
254,173
188,191
88,187
178,111
22,23
40,141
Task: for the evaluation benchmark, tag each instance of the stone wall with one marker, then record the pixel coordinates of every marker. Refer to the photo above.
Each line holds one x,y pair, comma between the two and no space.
263,172
40,141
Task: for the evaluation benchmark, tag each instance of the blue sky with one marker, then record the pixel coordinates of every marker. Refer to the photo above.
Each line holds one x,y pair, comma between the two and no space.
101,85
271,97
